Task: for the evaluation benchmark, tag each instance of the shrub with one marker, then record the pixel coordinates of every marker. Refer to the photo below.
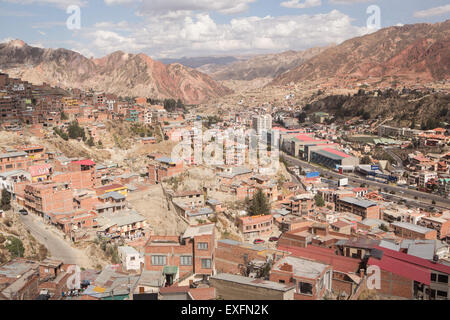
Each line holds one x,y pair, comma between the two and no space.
15,247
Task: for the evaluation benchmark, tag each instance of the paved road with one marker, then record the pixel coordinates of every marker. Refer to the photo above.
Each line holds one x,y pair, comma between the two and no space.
423,199
59,248
396,158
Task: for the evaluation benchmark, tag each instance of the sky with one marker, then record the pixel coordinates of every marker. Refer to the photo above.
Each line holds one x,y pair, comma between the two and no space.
190,28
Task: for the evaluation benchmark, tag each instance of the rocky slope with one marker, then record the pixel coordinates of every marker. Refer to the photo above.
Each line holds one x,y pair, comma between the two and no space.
260,66
417,53
119,73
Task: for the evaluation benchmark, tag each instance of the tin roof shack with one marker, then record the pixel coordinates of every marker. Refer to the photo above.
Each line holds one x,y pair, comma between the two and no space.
19,279
124,224
312,280
235,287
234,257
111,284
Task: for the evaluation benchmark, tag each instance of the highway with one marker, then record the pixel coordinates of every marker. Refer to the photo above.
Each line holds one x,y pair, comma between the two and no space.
423,199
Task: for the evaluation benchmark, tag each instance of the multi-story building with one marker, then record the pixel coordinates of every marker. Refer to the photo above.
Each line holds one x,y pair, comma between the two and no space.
48,197
191,254
255,226
364,208
17,160
412,231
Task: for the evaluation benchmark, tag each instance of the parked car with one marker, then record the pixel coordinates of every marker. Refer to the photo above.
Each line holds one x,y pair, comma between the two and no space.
23,212
258,241
273,239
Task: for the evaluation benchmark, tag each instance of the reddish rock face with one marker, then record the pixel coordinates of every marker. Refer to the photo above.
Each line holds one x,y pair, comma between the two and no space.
413,53
118,73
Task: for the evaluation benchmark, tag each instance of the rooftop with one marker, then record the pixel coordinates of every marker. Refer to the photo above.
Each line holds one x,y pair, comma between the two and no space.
302,267
412,227
253,282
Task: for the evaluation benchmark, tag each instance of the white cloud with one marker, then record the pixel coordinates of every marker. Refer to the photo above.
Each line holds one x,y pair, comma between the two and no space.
349,1
161,7
437,11
62,4
297,5
199,34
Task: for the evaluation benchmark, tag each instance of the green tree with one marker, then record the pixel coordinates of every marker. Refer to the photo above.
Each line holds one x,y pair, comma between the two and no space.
15,247
5,203
75,131
170,105
366,160
384,227
319,200
64,116
259,205
90,142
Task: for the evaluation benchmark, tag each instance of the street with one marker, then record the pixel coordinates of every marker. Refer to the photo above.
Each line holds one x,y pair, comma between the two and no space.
423,199
58,248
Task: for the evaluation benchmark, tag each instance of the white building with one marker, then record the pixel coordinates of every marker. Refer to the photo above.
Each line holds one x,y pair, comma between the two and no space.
130,258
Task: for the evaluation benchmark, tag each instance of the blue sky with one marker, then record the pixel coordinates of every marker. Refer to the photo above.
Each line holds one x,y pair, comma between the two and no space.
175,28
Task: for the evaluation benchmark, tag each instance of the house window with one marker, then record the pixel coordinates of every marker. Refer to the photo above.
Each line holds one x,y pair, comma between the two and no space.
186,260
441,294
206,263
433,277
442,278
132,258
159,260
305,288
202,246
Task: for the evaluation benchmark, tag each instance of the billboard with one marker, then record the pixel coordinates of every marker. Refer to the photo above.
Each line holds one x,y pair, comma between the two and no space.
312,174
343,182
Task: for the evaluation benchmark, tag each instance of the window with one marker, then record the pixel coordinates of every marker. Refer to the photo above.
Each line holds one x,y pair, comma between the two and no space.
202,246
206,263
442,278
186,260
305,288
433,277
281,281
442,294
132,258
159,260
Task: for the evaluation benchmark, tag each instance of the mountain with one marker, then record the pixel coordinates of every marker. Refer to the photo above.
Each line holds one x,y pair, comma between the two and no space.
417,53
260,66
197,62
119,73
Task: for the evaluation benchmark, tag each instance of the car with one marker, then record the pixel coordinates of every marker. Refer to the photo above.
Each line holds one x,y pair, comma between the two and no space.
258,241
273,239
23,212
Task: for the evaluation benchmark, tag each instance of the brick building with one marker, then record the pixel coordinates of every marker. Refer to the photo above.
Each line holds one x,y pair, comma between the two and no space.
412,231
312,279
255,226
43,198
361,207
179,257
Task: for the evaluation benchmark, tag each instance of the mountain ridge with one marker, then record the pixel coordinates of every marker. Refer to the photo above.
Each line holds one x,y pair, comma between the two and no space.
120,73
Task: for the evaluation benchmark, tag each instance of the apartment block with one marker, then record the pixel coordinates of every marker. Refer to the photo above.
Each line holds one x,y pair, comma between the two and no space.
48,197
